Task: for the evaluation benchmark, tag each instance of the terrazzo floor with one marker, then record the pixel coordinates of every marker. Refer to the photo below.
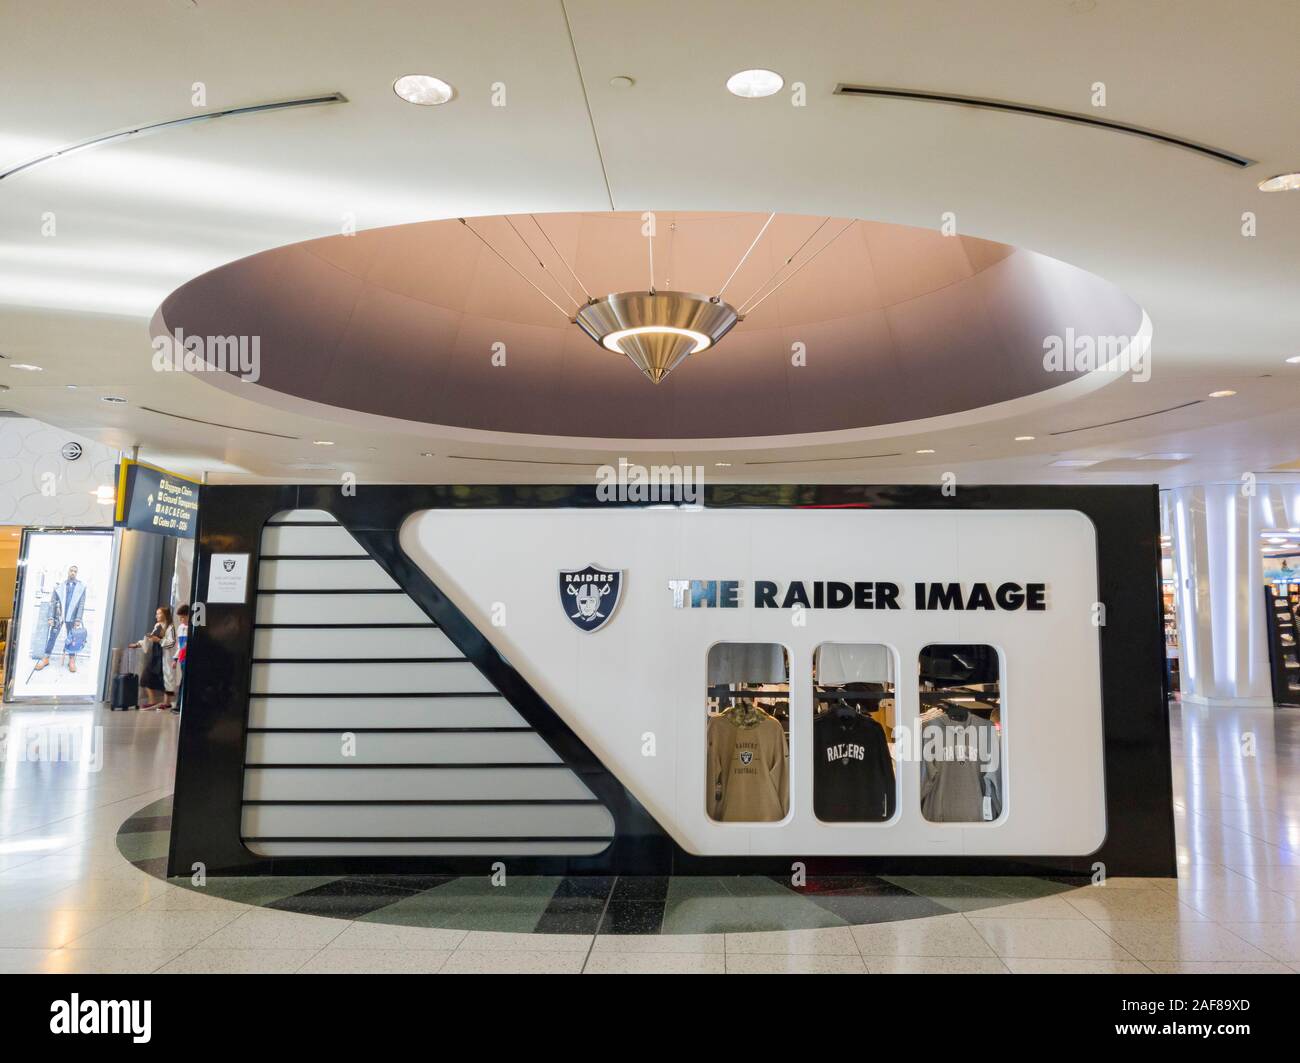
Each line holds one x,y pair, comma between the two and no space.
81,852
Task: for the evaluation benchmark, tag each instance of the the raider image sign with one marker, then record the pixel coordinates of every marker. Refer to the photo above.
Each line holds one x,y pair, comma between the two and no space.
590,595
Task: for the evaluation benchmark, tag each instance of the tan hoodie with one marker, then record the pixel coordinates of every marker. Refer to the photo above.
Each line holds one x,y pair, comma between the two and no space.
748,777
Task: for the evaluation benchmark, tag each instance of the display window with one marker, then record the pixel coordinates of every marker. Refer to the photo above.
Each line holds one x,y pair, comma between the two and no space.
854,777
57,650
961,743
748,728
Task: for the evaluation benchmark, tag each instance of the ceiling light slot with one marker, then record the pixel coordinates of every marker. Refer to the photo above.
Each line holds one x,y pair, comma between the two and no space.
1010,107
215,424
171,123
1123,420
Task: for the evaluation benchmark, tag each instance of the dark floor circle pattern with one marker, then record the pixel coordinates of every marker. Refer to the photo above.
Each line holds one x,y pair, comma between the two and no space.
594,904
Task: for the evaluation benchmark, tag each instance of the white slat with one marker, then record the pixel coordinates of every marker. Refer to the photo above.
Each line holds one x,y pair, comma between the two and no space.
329,677
308,540
401,821
328,643
345,713
343,574
414,784
398,749
338,609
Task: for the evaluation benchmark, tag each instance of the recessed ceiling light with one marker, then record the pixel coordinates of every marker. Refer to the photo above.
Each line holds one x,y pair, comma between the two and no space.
426,453
24,365
1171,456
323,442
925,451
1075,463
1283,182
1294,360
71,387
1024,439
111,398
622,81
722,465
423,89
1225,394
753,84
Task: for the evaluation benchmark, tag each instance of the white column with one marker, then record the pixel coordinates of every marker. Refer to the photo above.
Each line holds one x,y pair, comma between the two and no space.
1219,586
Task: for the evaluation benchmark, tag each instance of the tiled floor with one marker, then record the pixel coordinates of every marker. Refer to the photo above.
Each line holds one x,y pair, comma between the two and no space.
621,906
77,895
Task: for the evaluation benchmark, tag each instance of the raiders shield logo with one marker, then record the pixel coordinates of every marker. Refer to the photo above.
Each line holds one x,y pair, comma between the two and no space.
590,595
746,756
228,565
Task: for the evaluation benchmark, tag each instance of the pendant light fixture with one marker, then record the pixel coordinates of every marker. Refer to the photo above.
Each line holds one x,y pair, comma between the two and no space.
657,330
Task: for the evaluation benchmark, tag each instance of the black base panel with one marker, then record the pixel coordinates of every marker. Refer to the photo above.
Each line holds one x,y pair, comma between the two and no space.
209,776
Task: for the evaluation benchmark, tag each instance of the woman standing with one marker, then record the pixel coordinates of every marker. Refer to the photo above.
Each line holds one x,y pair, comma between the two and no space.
170,672
152,681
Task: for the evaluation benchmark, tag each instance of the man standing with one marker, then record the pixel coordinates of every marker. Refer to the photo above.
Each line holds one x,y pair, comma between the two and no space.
67,603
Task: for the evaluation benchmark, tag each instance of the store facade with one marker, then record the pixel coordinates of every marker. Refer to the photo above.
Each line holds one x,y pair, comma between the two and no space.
850,678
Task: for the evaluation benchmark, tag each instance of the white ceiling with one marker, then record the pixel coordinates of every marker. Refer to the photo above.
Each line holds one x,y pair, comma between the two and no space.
140,217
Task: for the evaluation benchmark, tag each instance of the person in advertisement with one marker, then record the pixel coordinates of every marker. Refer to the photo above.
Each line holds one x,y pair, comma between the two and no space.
67,604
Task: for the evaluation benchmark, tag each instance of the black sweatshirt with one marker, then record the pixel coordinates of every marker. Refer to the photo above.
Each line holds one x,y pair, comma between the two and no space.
853,775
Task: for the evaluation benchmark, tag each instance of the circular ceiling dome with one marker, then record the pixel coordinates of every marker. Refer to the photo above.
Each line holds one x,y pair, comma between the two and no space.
475,324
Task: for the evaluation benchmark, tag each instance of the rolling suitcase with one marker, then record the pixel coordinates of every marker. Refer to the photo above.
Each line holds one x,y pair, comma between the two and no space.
126,686
126,692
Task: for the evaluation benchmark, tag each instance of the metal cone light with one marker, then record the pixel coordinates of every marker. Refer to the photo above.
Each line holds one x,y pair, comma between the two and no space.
656,330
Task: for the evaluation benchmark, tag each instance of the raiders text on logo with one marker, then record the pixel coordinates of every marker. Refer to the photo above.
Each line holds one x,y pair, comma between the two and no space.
590,595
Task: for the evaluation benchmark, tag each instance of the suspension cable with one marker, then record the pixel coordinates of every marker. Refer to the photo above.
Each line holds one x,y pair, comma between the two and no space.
746,254
567,294
787,261
650,242
515,268
802,264
560,257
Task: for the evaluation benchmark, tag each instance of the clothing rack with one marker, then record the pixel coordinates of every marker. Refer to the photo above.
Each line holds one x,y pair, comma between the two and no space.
966,695
852,695
729,694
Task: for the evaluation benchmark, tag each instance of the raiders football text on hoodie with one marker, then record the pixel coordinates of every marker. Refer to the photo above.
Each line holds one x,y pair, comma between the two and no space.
748,777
